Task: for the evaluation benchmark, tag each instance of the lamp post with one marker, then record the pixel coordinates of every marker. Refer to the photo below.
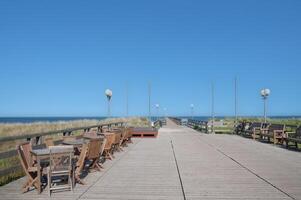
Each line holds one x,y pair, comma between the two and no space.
264,94
157,108
109,94
165,112
192,107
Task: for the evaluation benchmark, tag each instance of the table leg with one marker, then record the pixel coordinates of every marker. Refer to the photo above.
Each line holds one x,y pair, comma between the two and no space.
39,175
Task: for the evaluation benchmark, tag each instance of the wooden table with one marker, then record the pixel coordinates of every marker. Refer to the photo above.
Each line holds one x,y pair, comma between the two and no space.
40,154
75,143
89,137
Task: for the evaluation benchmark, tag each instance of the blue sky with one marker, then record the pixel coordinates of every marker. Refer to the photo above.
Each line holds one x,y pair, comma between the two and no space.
58,57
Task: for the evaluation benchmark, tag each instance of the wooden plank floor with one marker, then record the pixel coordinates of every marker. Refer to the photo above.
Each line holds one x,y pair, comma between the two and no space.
184,164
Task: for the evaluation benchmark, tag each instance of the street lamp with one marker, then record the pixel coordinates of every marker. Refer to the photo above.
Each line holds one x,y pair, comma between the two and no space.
109,94
157,108
165,112
191,107
265,93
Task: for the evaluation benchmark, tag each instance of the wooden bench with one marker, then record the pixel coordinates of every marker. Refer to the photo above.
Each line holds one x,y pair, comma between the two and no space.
254,129
295,138
241,127
274,131
144,132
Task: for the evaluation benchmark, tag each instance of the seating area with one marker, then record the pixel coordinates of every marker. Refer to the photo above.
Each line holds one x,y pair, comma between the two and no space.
60,167
266,132
294,138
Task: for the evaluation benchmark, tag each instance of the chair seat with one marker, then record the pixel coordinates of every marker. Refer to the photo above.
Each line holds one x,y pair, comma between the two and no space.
32,169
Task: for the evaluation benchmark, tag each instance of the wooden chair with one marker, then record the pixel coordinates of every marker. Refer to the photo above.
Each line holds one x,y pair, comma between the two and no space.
80,164
28,166
295,138
49,142
93,154
60,165
129,134
110,137
117,141
123,139
274,131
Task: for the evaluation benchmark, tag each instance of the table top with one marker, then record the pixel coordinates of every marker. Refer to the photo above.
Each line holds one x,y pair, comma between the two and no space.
46,151
40,152
76,142
108,133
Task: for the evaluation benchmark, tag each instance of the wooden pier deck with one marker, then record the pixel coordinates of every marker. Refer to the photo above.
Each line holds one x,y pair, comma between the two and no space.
184,164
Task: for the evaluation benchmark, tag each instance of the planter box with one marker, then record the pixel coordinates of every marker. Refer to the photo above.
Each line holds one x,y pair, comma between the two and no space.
145,132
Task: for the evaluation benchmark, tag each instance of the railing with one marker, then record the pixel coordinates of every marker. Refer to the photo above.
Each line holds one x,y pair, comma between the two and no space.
159,123
198,125
37,141
175,120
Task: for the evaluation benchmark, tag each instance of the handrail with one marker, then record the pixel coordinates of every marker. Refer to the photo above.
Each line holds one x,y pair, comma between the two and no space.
69,130
159,123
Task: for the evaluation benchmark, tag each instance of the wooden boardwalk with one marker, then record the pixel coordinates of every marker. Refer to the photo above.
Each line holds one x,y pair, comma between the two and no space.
184,164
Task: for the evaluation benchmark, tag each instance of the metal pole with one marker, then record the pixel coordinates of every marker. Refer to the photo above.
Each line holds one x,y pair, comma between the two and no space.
212,108
235,87
109,109
127,100
149,101
264,109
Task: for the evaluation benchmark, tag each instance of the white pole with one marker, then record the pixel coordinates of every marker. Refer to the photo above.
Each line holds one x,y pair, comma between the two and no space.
212,108
149,101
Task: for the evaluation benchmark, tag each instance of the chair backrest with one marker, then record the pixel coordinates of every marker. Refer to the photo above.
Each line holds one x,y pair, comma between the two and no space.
110,140
256,125
103,144
94,148
49,142
117,137
26,148
276,127
60,158
124,135
81,159
25,155
298,132
130,131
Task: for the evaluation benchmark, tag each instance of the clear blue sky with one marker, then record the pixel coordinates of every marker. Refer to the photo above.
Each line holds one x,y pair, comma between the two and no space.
58,57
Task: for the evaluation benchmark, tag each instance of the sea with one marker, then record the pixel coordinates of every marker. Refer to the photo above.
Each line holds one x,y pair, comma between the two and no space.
44,119
56,119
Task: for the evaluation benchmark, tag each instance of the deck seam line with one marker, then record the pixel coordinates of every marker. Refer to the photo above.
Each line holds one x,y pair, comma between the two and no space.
181,182
246,168
257,175
105,172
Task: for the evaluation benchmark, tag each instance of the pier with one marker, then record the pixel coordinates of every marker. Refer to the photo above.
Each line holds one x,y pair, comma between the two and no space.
182,163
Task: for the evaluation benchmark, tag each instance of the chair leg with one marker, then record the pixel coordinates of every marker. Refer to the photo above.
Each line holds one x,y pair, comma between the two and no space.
25,184
79,180
49,183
